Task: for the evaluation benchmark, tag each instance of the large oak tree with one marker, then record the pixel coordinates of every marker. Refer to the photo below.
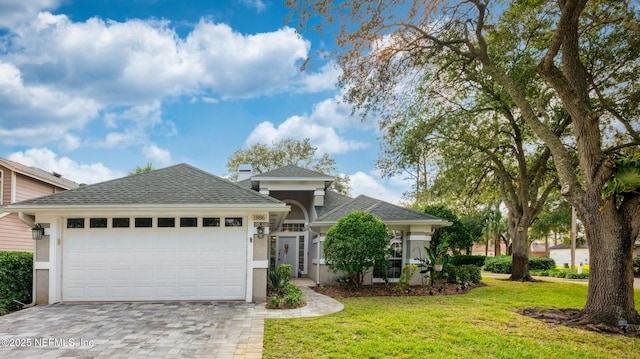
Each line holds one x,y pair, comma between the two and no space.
586,52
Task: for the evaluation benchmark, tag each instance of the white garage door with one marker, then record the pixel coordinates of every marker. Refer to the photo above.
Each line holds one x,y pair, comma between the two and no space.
153,264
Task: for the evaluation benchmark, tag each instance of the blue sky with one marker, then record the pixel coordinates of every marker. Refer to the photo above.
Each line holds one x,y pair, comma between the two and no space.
92,88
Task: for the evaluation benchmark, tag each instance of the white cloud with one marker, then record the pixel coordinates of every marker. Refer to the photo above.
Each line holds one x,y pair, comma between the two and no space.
49,161
37,113
373,186
14,12
324,138
254,4
325,79
157,155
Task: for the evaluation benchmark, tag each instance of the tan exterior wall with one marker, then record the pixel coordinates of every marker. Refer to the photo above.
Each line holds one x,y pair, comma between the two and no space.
28,188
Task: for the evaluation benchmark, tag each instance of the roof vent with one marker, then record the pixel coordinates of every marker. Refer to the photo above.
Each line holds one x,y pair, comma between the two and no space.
56,174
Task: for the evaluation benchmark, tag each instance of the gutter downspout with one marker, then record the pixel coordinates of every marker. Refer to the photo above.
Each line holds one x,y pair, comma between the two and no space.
33,282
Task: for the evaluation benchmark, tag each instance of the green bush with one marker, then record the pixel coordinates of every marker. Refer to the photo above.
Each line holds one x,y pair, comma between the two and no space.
636,265
294,297
502,264
558,274
463,259
540,273
572,275
467,273
16,280
539,263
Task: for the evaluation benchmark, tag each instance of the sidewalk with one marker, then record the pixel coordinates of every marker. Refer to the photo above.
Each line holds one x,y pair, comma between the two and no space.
636,281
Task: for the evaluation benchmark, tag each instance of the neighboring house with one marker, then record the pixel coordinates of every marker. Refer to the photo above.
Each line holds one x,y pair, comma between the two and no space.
18,183
561,254
180,233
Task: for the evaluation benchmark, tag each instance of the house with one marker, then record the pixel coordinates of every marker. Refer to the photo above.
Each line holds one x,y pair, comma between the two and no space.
180,233
561,254
17,183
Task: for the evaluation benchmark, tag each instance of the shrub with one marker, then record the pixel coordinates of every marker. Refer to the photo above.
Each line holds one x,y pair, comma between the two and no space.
463,259
572,275
274,302
559,274
16,280
502,264
538,263
279,278
294,297
636,265
467,273
356,243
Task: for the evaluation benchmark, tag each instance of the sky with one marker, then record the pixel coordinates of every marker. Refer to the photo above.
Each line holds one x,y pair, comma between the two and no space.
91,89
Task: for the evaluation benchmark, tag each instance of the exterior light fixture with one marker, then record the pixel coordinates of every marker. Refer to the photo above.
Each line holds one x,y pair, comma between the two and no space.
260,231
623,325
37,232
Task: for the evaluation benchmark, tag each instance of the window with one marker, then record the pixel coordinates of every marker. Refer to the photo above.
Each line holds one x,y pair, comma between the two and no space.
211,222
293,227
188,222
233,222
75,222
120,223
393,271
143,222
98,223
166,222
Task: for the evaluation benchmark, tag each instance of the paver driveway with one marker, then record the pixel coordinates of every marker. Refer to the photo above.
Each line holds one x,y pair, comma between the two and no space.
126,330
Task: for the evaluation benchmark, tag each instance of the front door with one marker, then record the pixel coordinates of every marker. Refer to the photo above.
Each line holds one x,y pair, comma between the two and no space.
287,253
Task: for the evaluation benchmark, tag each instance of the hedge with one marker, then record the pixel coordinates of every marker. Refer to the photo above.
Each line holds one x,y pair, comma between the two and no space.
463,259
502,264
467,273
16,280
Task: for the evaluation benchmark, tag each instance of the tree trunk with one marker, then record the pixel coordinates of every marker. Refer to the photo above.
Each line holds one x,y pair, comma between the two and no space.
496,244
520,250
486,248
610,295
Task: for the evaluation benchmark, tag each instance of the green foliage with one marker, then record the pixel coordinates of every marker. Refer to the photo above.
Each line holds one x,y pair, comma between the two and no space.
408,271
625,177
16,280
499,264
294,297
502,264
284,293
467,273
636,265
355,244
456,236
138,169
467,259
288,151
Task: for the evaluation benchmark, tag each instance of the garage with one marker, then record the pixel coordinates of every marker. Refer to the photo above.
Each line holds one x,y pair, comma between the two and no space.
141,264
176,233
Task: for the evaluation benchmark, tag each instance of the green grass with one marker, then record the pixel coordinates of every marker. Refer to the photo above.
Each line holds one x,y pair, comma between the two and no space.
481,324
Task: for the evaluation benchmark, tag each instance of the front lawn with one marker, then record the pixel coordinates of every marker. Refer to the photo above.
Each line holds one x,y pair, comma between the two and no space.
480,324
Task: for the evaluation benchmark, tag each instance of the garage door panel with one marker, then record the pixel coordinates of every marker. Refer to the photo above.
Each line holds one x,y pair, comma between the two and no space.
153,265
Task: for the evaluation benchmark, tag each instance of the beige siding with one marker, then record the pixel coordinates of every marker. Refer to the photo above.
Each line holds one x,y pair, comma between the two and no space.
28,188
14,235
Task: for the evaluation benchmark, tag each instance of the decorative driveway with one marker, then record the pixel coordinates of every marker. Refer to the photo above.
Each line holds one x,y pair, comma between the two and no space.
146,330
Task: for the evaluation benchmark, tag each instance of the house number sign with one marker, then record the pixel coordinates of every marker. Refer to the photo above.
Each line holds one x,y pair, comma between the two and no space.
259,217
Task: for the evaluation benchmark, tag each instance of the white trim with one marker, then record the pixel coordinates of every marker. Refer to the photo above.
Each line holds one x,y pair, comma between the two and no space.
42,265
261,264
13,187
1,186
248,297
4,214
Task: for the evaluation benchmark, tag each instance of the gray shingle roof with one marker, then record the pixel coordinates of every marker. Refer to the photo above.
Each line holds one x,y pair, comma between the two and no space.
293,171
384,210
181,184
332,200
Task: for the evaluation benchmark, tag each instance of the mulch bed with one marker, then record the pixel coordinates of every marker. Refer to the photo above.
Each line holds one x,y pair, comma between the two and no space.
384,290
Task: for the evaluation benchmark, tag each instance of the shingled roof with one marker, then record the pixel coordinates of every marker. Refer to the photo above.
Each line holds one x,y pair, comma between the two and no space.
332,200
180,184
386,211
